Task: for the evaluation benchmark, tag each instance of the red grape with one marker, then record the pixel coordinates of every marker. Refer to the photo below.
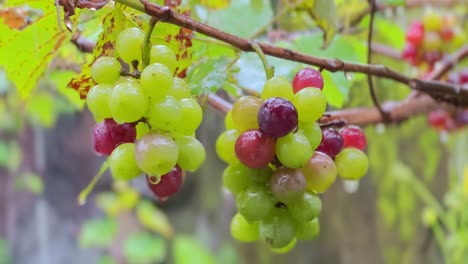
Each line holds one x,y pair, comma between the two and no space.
277,117
447,33
332,142
255,149
353,136
307,77
108,135
168,185
410,52
415,35
463,76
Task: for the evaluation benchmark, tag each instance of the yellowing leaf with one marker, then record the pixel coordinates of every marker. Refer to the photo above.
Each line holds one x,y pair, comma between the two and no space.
324,14
216,4
154,219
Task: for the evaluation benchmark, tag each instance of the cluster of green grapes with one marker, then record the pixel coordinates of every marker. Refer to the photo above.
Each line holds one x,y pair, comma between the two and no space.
280,160
147,124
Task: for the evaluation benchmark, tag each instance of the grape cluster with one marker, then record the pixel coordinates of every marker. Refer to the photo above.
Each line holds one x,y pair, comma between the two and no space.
147,123
428,39
280,160
445,120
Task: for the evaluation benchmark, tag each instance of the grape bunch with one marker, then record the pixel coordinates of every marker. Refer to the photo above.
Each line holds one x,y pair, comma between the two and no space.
445,120
146,124
427,40
280,160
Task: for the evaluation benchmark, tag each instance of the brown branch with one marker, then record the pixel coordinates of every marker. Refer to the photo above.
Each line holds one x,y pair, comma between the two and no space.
386,51
82,43
448,63
165,14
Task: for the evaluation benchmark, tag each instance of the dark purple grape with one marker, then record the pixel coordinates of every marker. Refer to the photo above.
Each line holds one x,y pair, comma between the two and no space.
287,184
277,117
331,143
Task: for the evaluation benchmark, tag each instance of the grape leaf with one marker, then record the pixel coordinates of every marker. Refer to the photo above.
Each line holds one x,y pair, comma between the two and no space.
154,219
209,76
26,53
324,14
215,4
142,248
190,251
98,232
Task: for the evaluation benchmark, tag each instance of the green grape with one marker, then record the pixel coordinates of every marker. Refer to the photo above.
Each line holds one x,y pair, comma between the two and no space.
129,44
352,163
236,178
164,115
277,86
98,101
192,115
243,230
122,162
285,249
244,113
432,22
307,230
156,81
432,41
191,153
277,230
180,89
126,80
305,208
262,175
293,150
312,132
156,154
164,55
320,172
128,103
105,70
141,129
225,146
254,203
310,104
228,122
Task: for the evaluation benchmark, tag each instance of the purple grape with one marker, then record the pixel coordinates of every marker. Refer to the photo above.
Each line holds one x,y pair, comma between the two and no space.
331,143
277,117
287,184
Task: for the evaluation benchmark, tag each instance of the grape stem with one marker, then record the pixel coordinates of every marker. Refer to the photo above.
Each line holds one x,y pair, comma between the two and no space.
147,44
269,69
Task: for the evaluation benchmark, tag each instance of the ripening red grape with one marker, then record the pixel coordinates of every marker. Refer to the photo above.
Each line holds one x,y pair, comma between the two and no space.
108,135
353,136
287,184
255,149
307,77
415,35
332,142
277,117
169,183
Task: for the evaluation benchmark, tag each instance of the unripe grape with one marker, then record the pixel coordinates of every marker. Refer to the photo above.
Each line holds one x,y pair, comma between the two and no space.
191,153
164,115
432,21
156,81
105,70
307,231
191,116
310,104
122,162
286,248
352,163
432,41
278,229
98,99
236,178
244,113
254,203
293,150
277,86
243,230
164,55
128,103
180,89
312,132
306,207
225,146
129,44
320,172
156,154
228,122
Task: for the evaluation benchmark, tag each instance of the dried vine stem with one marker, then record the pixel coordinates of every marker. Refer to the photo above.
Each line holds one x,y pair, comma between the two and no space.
452,93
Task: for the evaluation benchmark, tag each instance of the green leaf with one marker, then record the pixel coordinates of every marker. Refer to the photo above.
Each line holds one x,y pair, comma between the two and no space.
4,252
25,54
106,259
143,248
41,109
98,232
324,14
187,250
154,219
335,94
29,181
209,76
60,79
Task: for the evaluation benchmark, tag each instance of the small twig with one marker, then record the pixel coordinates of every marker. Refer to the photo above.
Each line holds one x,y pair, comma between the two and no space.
135,74
147,43
269,70
449,63
334,123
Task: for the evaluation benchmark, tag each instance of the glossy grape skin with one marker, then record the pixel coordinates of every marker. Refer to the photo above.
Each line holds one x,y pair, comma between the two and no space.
191,153
287,184
156,81
228,122
168,184
244,113
308,230
180,89
312,132
331,143
320,172
128,103
156,154
129,44
353,136
122,162
105,70
432,21
225,146
293,150
242,230
108,135
191,116
141,129
307,77
98,99
164,55
277,117
285,249
254,149
310,104
254,203
305,208
278,229
164,115
352,164
277,86
236,178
